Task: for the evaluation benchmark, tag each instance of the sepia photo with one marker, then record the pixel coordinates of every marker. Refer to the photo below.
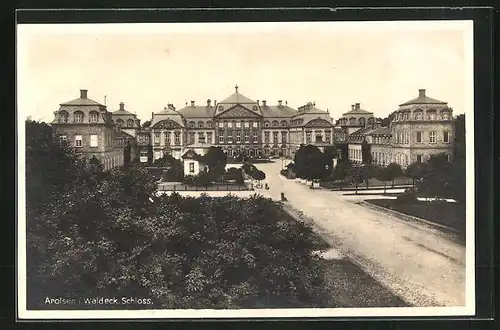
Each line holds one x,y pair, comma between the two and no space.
243,170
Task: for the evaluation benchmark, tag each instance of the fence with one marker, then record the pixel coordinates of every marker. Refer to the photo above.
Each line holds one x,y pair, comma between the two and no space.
217,187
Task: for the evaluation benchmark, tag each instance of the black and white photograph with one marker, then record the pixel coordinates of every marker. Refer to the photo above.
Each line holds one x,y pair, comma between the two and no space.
242,170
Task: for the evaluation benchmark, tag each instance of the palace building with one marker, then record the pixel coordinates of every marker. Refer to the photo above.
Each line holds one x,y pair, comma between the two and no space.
240,126
420,128
87,126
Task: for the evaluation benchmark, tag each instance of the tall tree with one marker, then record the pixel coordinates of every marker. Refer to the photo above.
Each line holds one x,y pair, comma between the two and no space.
395,170
366,152
355,175
215,159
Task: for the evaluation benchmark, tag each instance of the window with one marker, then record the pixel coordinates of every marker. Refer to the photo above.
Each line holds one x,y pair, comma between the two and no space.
209,124
157,138
266,137
209,137
275,137
283,123
63,138
308,137
283,137
201,138
221,124
432,115
200,124
266,124
221,137
238,137
93,117
78,117
446,115
432,137
352,121
406,136
247,124
177,137
255,137
327,136
78,141
255,124
167,138
119,123
247,138
93,141
418,115
419,137
361,121
221,108
157,154
230,125
130,123
63,117
419,158
192,124
448,157
238,124
275,123
446,137
191,138
191,167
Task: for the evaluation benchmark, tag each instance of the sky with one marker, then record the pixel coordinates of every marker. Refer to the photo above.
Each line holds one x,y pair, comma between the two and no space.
334,64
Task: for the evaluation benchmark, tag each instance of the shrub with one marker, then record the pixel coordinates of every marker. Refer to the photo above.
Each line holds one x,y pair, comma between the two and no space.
409,196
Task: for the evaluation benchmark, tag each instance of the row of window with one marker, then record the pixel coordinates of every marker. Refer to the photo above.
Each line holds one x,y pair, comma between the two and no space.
166,138
318,137
403,137
355,154
93,141
78,117
419,115
353,121
245,124
120,123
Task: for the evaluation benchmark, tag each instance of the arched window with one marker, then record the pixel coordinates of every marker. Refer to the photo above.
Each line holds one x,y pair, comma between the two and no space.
221,108
283,123
445,115
130,123
63,116
78,116
361,121
94,117
352,121
119,122
266,124
209,124
418,114
431,114
200,124
192,124
275,123
371,120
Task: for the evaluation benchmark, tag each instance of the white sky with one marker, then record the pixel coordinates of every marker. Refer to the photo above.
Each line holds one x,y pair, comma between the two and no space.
146,66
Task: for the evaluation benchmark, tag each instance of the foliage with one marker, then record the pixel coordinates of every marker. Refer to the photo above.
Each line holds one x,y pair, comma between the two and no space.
443,178
127,154
252,171
409,196
395,171
366,152
203,178
311,163
146,124
340,172
215,159
235,174
174,168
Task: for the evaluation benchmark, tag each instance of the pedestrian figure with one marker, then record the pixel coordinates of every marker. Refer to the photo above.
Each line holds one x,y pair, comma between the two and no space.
283,198
267,186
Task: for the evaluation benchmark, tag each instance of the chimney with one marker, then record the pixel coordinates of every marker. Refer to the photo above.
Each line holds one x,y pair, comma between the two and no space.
280,103
192,103
352,106
152,115
357,106
263,103
83,93
122,106
258,102
286,102
421,92
208,102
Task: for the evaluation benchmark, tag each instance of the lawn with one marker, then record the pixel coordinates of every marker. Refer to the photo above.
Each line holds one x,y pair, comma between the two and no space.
443,213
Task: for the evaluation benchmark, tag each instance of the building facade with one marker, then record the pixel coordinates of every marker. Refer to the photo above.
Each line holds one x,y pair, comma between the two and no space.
87,126
238,125
421,127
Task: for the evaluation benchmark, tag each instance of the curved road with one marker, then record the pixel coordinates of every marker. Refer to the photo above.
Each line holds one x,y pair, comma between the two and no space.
421,265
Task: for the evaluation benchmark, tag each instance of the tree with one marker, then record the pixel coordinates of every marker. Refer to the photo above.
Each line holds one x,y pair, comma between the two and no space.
127,154
369,171
385,174
311,163
340,172
366,152
146,124
259,175
330,153
395,170
385,122
216,161
174,168
150,153
417,171
355,176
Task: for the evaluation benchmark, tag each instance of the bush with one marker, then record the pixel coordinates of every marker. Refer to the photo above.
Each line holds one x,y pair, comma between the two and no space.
409,196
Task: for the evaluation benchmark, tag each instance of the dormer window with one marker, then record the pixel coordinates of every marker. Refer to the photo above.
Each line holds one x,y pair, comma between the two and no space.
63,117
130,123
283,123
445,115
200,124
221,108
266,124
93,117
275,123
191,124
209,124
119,123
78,117
254,108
